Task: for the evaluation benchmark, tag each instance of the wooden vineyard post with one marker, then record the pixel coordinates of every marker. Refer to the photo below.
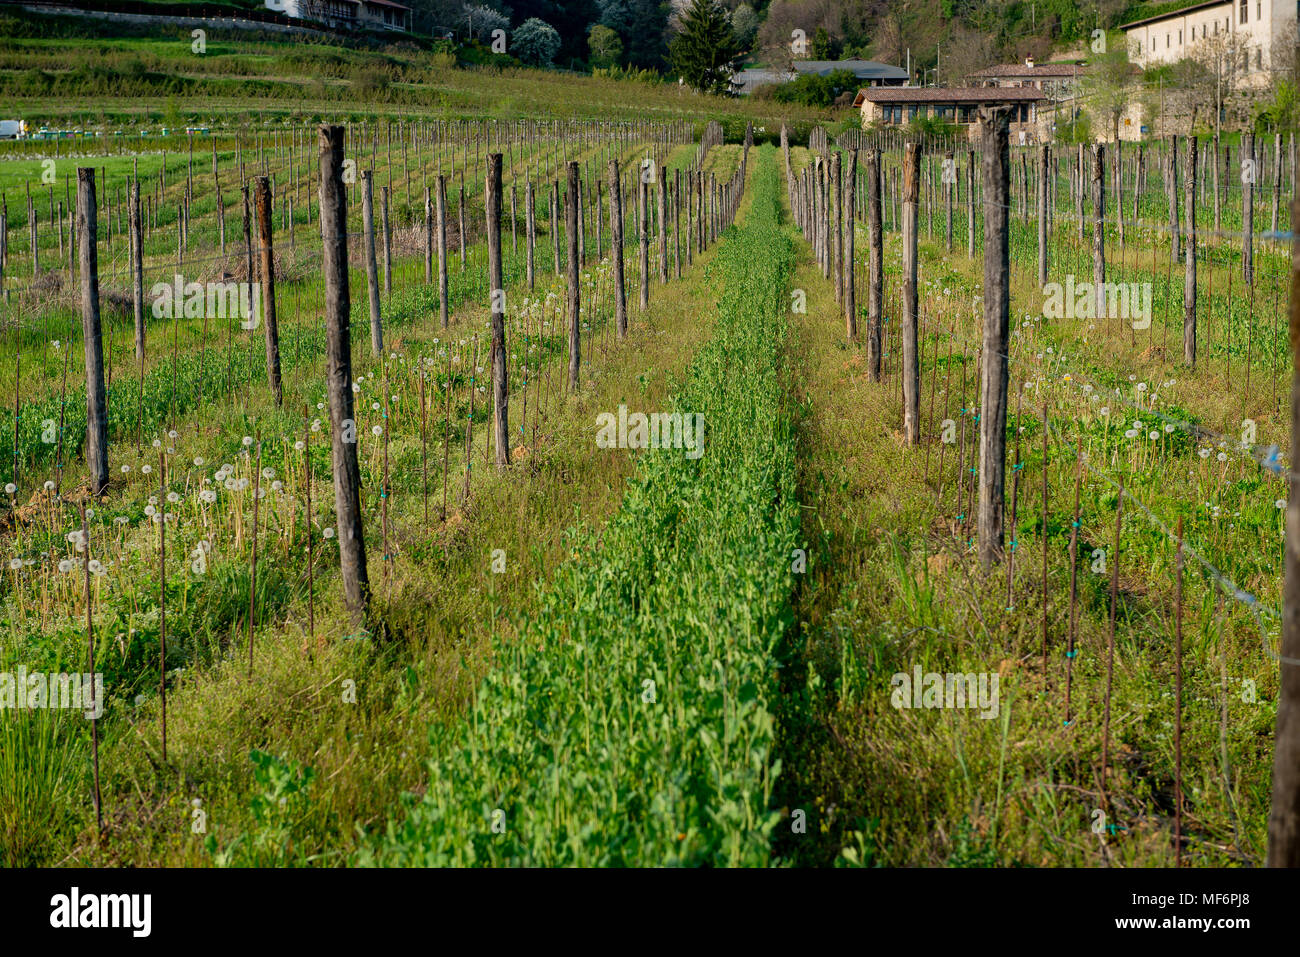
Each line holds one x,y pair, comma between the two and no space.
338,338
555,224
1284,818
643,234
849,278
970,204
1042,215
372,268
875,265
663,223
268,289
530,232
1189,282
911,365
836,250
575,292
995,149
92,334
616,248
428,237
500,382
677,222
442,250
137,268
1098,220
1248,178
949,187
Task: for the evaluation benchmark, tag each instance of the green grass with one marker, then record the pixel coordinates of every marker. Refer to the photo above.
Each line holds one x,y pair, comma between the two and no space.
631,724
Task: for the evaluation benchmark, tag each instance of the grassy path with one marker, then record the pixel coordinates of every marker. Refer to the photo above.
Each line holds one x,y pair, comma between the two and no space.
632,723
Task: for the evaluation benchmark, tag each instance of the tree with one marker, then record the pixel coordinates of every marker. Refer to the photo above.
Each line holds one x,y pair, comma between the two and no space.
535,41
605,45
744,26
822,48
479,21
644,39
704,52
1110,82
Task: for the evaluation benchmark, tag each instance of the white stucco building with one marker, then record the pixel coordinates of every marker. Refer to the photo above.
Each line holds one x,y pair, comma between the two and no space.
1253,32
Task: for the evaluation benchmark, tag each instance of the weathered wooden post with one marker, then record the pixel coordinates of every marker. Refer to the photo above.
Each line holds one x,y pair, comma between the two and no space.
1099,223
911,362
970,204
264,225
1249,176
372,268
616,248
92,334
137,269
443,305
500,371
1042,215
663,224
875,264
995,148
428,236
575,291
849,277
1284,818
338,371
643,232
530,231
836,250
1189,280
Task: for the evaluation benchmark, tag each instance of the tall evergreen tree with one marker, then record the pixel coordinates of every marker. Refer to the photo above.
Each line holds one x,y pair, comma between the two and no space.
704,52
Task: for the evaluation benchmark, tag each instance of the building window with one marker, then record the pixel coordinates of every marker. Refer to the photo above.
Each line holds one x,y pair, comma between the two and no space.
1259,10
1259,58
1166,41
1180,37
1203,31
1242,17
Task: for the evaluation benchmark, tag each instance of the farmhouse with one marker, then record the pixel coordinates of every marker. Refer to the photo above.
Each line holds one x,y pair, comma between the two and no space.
1250,37
1057,80
957,105
372,14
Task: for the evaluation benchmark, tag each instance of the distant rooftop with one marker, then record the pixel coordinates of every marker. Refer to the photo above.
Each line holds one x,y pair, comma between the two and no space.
862,69
868,71
1030,69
